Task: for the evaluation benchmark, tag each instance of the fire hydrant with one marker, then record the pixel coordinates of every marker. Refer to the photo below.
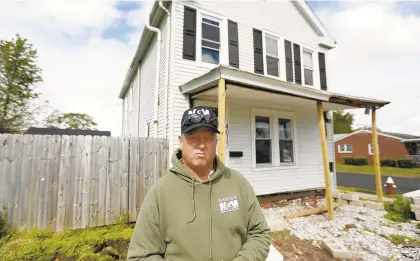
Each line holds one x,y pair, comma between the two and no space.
390,185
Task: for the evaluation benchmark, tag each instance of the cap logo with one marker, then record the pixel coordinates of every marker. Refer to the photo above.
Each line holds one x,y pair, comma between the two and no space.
199,112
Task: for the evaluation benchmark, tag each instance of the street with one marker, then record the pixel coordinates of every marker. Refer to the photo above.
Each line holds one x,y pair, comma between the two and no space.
403,184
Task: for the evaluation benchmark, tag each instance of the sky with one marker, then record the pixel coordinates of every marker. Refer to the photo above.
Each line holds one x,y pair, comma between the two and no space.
86,47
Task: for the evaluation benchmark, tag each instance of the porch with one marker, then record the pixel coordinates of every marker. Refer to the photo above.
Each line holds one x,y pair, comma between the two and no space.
274,132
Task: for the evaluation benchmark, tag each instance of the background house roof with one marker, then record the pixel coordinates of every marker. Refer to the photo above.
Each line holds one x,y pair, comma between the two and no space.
394,135
56,131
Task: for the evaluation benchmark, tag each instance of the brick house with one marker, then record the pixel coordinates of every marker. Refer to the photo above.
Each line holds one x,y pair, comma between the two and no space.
391,145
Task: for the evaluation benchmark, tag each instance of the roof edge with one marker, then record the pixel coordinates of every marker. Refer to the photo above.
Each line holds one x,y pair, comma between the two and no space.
369,131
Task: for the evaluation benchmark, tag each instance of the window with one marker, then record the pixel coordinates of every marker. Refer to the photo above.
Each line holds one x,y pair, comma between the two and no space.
262,140
345,148
274,143
286,141
308,67
272,56
370,148
210,40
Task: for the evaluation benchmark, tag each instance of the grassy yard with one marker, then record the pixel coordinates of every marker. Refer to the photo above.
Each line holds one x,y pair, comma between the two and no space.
366,191
414,173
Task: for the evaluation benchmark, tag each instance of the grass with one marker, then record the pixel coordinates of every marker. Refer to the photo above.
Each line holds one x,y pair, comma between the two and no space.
101,243
399,239
362,190
399,210
368,169
369,230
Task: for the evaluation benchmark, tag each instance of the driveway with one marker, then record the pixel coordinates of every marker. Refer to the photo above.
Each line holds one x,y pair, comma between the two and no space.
403,184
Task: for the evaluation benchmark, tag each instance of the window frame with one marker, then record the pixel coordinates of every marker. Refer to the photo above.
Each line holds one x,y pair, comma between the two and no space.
223,48
280,53
345,150
274,116
308,50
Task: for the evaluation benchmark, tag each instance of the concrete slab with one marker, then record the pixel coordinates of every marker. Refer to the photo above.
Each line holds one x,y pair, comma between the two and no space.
357,203
276,224
415,208
342,201
374,205
416,201
336,194
335,248
417,214
274,254
350,196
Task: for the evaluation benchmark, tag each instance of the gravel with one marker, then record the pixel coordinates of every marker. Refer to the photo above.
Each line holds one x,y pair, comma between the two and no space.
367,241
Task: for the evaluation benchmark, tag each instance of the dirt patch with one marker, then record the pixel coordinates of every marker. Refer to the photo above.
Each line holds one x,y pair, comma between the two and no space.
295,249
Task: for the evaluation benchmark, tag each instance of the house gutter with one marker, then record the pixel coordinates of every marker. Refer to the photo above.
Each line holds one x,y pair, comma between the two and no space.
156,98
168,40
410,140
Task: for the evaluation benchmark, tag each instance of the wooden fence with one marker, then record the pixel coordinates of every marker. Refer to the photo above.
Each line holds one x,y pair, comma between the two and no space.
70,182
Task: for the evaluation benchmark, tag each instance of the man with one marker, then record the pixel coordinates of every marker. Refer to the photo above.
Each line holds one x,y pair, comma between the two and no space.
201,210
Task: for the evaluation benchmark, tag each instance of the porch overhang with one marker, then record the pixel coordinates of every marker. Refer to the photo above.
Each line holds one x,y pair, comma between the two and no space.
410,140
233,76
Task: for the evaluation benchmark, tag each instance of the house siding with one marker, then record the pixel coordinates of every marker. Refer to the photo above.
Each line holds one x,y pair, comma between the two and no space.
162,79
389,148
130,109
263,15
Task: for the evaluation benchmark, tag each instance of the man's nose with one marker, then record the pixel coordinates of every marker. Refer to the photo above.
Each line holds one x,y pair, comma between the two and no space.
201,144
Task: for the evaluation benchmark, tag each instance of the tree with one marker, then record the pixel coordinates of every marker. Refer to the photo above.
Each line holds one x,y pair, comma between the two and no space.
342,122
18,75
70,121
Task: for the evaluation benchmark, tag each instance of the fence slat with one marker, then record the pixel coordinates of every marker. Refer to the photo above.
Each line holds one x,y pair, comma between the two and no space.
34,183
86,179
78,189
140,183
63,182
7,160
73,175
3,148
94,182
124,175
52,185
43,182
25,180
14,178
133,174
103,181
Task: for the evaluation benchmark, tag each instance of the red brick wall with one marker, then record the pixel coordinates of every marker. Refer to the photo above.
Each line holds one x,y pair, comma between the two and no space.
389,148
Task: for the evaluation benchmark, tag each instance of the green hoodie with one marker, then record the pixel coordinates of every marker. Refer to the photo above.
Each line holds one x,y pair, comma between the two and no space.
183,219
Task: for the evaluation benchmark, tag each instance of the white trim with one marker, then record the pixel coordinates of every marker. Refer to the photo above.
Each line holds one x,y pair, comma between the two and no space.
370,149
308,50
273,115
279,39
345,150
368,131
223,49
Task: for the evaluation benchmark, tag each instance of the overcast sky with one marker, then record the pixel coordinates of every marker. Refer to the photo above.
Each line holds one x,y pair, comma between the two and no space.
85,48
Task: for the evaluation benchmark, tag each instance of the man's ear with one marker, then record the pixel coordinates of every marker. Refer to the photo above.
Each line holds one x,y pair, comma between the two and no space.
180,140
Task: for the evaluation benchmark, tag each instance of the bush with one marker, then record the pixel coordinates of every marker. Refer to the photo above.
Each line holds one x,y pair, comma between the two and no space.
388,163
406,163
358,161
399,210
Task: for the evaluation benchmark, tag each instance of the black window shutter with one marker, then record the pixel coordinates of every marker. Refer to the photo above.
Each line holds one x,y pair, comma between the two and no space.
233,44
189,33
289,60
322,71
258,52
298,70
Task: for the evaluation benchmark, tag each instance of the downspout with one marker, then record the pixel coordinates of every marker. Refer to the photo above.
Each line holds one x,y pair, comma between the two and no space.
159,39
169,29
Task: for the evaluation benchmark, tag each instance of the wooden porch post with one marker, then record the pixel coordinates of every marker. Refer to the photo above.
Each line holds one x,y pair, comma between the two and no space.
376,157
321,127
222,118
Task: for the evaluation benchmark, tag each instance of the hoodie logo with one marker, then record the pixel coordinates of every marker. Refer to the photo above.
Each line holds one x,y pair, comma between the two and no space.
228,204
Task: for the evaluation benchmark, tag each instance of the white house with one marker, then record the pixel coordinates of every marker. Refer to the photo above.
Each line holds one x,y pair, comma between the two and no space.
270,58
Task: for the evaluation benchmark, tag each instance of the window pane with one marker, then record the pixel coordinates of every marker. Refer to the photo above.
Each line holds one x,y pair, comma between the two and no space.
309,79
262,127
210,21
349,147
210,32
286,151
210,56
210,44
307,59
285,129
272,66
342,147
271,45
263,151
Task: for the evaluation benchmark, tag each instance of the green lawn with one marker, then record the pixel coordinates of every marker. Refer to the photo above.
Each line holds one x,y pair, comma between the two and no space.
415,172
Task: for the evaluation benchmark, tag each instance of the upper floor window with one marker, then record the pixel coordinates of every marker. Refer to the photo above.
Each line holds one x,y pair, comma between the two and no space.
210,40
272,56
308,67
345,148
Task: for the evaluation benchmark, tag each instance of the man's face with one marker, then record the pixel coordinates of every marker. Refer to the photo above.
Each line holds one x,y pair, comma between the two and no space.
198,147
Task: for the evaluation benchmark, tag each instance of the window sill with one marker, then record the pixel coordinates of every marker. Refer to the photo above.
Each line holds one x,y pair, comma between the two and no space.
268,168
206,65
342,152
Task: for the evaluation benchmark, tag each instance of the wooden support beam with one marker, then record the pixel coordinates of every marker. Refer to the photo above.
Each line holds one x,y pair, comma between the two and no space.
321,127
376,162
222,119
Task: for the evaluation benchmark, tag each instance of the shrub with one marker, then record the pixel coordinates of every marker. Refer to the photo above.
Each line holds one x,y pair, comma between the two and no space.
388,163
399,210
406,163
358,161
4,228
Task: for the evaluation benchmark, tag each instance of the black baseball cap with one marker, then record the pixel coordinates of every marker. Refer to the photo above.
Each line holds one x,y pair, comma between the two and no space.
199,117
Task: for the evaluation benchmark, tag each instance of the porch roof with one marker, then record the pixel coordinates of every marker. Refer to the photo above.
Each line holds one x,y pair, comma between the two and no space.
259,82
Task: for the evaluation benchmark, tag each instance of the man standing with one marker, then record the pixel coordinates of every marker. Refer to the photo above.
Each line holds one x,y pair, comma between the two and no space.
201,210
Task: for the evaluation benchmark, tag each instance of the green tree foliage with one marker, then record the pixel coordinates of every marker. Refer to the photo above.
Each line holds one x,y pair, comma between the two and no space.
342,122
18,75
70,121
